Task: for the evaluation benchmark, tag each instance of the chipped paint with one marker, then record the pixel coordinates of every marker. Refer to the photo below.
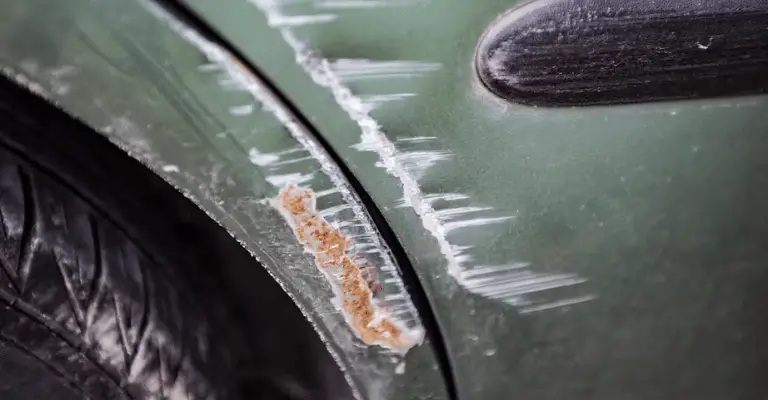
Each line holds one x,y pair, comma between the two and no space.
397,308
372,323
409,167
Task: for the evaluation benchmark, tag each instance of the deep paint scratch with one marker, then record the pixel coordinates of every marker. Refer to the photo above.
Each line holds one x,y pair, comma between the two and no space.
506,282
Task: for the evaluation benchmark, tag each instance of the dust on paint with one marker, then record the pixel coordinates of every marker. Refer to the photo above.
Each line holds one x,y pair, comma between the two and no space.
352,282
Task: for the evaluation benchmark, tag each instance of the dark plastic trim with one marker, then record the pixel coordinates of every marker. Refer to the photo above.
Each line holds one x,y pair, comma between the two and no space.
587,52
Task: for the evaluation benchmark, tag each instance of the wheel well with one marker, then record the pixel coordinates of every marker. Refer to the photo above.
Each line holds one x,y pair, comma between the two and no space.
293,365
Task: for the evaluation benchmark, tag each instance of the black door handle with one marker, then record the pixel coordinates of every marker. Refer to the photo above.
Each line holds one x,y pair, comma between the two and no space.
586,52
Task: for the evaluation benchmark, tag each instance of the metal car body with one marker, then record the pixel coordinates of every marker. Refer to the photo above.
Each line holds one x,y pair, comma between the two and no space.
601,252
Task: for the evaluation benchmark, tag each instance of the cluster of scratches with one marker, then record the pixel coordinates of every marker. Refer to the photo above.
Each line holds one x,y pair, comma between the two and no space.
372,324
511,282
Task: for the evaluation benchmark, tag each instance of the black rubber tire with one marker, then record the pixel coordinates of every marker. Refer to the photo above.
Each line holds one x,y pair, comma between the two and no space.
102,292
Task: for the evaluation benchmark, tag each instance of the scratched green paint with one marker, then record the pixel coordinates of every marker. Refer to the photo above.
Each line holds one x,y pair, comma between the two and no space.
661,207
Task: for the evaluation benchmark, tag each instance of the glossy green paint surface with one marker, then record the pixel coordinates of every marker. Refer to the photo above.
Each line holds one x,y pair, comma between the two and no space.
153,86
661,207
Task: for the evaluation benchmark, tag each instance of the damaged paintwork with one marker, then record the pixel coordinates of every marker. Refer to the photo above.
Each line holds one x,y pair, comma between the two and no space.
529,228
350,216
506,282
154,87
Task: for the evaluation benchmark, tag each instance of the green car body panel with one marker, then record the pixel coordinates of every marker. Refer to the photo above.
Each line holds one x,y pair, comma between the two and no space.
591,253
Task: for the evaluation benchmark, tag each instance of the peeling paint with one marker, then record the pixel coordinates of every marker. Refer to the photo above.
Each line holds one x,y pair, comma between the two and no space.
409,167
372,323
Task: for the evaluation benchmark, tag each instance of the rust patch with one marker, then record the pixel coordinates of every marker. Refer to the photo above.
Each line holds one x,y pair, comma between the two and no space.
353,282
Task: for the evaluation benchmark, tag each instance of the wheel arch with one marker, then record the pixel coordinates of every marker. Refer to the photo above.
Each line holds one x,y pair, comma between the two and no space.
196,117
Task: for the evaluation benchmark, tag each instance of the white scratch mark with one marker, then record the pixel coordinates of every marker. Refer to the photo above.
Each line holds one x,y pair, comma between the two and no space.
57,75
394,297
278,21
704,46
512,287
209,67
64,70
452,226
416,139
291,151
241,110
373,251
333,210
378,100
291,161
296,178
262,159
400,368
555,304
418,162
483,270
347,70
273,160
434,198
452,213
171,168
326,192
